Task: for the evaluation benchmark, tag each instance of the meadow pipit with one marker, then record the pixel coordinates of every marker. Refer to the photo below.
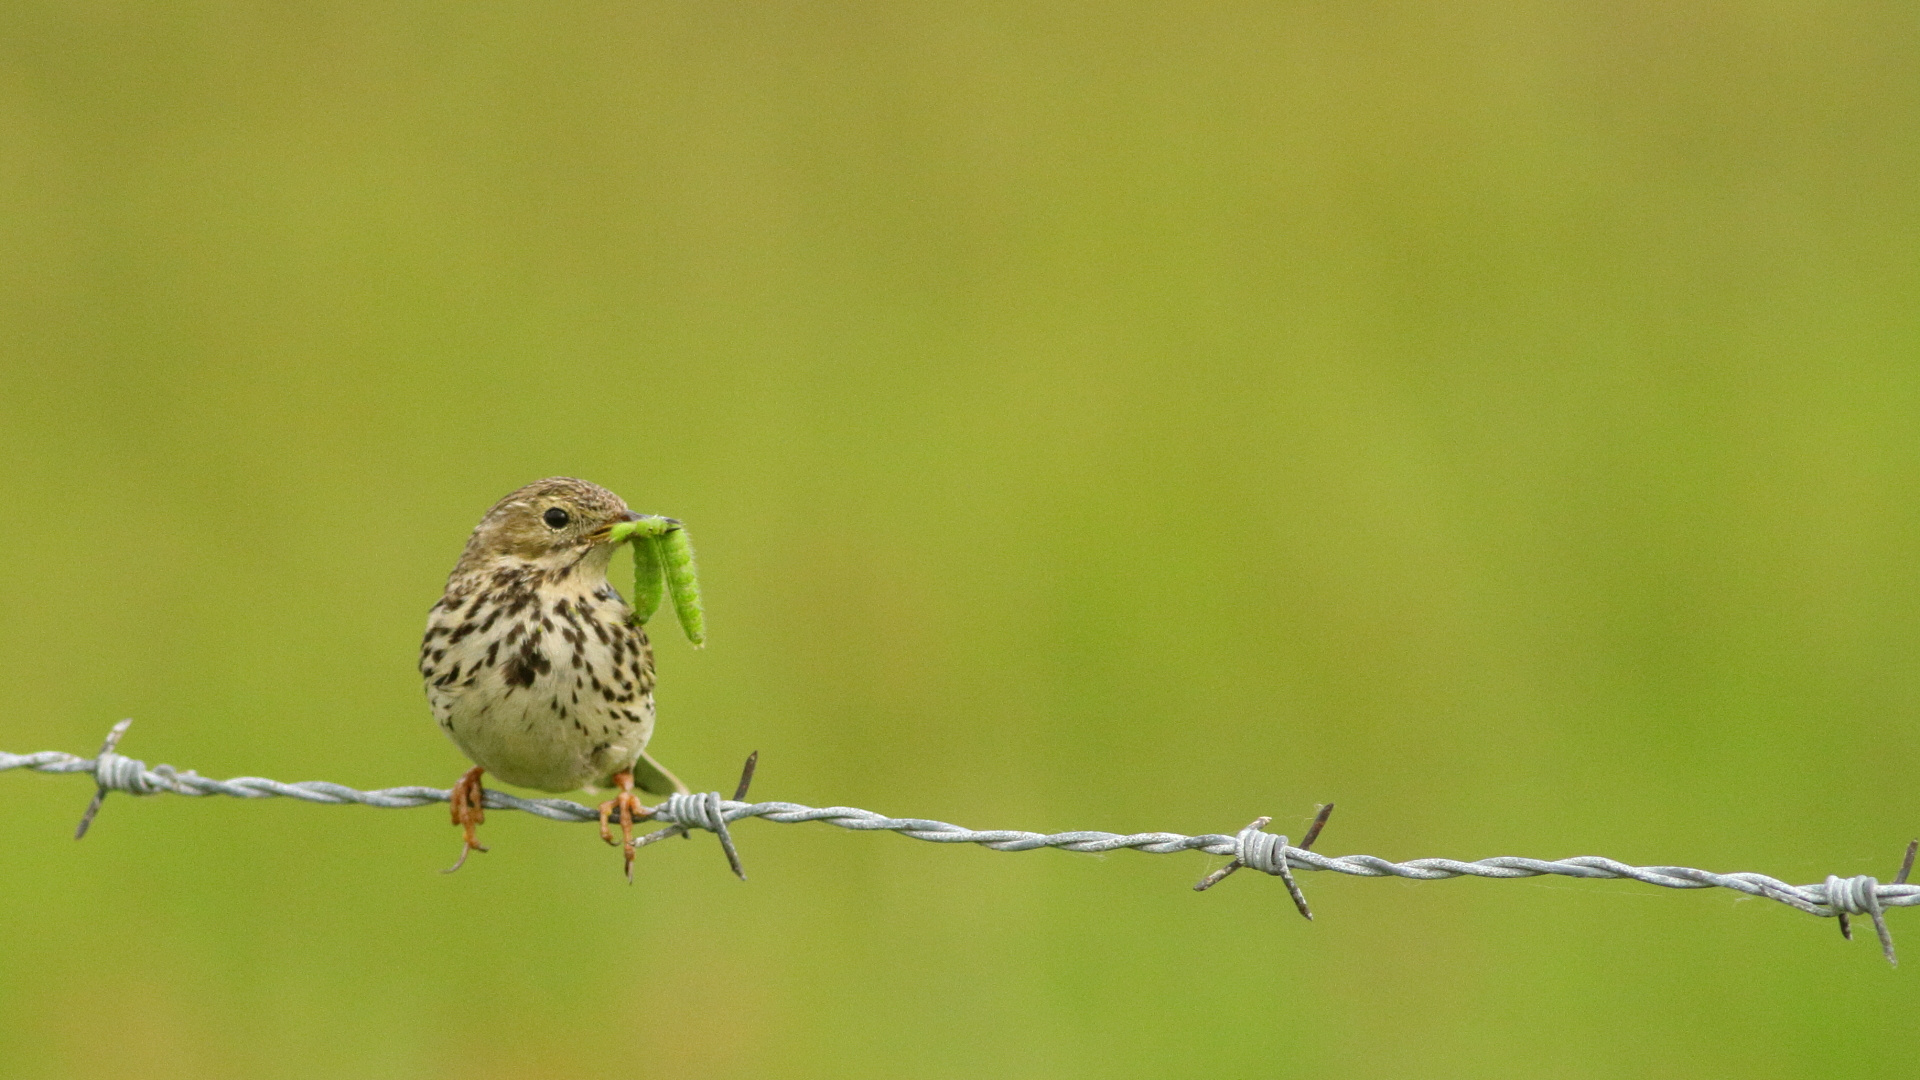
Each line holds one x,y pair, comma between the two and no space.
535,666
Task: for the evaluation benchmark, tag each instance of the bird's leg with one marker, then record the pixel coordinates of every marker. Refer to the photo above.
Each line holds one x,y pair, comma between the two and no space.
468,801
631,810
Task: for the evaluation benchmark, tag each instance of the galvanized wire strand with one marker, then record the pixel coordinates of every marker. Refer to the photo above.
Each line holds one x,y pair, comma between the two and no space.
1835,897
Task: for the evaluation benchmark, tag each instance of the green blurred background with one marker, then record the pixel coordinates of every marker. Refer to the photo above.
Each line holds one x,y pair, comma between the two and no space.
1498,418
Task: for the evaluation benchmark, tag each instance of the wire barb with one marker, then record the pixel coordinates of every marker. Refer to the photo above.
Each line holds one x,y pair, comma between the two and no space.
1835,898
1267,852
687,811
103,772
1861,896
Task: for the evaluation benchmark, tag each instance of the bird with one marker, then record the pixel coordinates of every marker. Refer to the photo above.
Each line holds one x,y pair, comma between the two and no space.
536,667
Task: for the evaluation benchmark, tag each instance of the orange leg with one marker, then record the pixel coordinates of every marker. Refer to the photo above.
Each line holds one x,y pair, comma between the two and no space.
631,810
468,801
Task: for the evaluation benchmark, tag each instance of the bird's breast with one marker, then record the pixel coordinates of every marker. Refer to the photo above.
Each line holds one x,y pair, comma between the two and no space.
550,688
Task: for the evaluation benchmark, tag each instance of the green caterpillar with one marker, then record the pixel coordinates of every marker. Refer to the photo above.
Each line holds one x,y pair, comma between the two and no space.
663,553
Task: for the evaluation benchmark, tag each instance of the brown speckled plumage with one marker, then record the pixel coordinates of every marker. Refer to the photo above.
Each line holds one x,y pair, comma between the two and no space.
531,660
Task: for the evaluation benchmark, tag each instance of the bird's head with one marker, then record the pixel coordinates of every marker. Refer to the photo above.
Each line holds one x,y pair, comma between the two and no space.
556,523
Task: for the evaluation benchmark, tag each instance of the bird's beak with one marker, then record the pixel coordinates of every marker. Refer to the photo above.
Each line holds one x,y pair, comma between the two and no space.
617,532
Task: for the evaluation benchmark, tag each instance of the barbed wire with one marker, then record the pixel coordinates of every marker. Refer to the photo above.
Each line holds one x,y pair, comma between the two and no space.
1251,847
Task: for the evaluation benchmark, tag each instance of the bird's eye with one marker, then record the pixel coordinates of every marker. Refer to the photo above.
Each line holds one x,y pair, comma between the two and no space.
556,518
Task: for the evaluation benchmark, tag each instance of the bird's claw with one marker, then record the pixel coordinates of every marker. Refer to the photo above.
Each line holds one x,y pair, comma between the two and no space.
631,810
468,803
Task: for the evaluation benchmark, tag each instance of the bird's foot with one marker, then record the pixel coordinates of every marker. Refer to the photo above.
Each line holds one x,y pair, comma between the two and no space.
630,809
468,802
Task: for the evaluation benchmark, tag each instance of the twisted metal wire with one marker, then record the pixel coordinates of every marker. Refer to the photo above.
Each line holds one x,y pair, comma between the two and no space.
1836,897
